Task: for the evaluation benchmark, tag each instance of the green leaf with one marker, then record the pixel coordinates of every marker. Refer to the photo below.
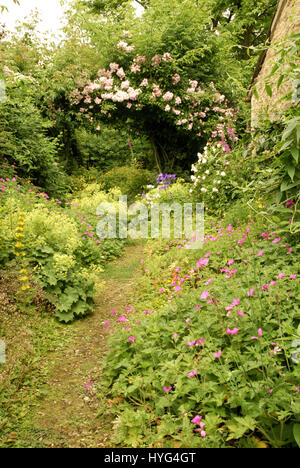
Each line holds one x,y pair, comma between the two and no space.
255,92
286,185
296,432
295,154
291,171
279,82
298,135
269,90
286,145
240,426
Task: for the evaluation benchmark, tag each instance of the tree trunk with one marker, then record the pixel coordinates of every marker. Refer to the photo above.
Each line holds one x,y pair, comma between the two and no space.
156,155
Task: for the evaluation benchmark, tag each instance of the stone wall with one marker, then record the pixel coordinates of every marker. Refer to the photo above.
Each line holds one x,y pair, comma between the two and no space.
286,21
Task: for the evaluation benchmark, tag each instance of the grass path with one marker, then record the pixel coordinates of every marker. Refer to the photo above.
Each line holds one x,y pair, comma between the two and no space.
68,413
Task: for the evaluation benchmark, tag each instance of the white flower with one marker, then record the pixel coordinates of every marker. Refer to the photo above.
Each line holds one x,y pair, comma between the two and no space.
204,177
203,189
218,182
204,160
223,174
215,189
207,172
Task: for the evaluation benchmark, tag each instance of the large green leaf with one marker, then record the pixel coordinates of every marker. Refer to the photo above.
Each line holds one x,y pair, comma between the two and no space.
296,432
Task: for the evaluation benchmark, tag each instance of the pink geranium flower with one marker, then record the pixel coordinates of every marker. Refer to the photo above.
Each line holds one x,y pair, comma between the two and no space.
208,282
218,354
192,374
201,341
191,343
234,331
197,419
122,319
205,295
259,333
167,389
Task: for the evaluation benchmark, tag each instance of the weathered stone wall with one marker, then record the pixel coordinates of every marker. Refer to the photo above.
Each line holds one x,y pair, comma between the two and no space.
285,22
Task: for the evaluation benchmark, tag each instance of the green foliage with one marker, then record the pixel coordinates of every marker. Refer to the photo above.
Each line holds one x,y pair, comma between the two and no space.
130,180
221,177
60,244
289,150
285,70
23,137
71,292
248,395
109,147
177,192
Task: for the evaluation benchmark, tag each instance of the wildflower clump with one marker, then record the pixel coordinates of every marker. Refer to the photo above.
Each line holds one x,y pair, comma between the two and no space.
23,276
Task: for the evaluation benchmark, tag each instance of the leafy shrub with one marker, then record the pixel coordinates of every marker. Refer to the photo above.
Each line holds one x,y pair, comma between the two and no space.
130,180
44,228
110,148
59,243
221,176
176,192
23,138
66,287
210,340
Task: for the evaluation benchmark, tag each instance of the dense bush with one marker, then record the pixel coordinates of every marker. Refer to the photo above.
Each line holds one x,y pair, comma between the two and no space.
111,147
57,243
208,354
130,180
24,140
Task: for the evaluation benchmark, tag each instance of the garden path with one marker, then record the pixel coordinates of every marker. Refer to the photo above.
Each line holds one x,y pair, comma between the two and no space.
68,413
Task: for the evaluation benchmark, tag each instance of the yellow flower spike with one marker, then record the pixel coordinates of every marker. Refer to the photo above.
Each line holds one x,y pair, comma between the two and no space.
19,245
24,279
